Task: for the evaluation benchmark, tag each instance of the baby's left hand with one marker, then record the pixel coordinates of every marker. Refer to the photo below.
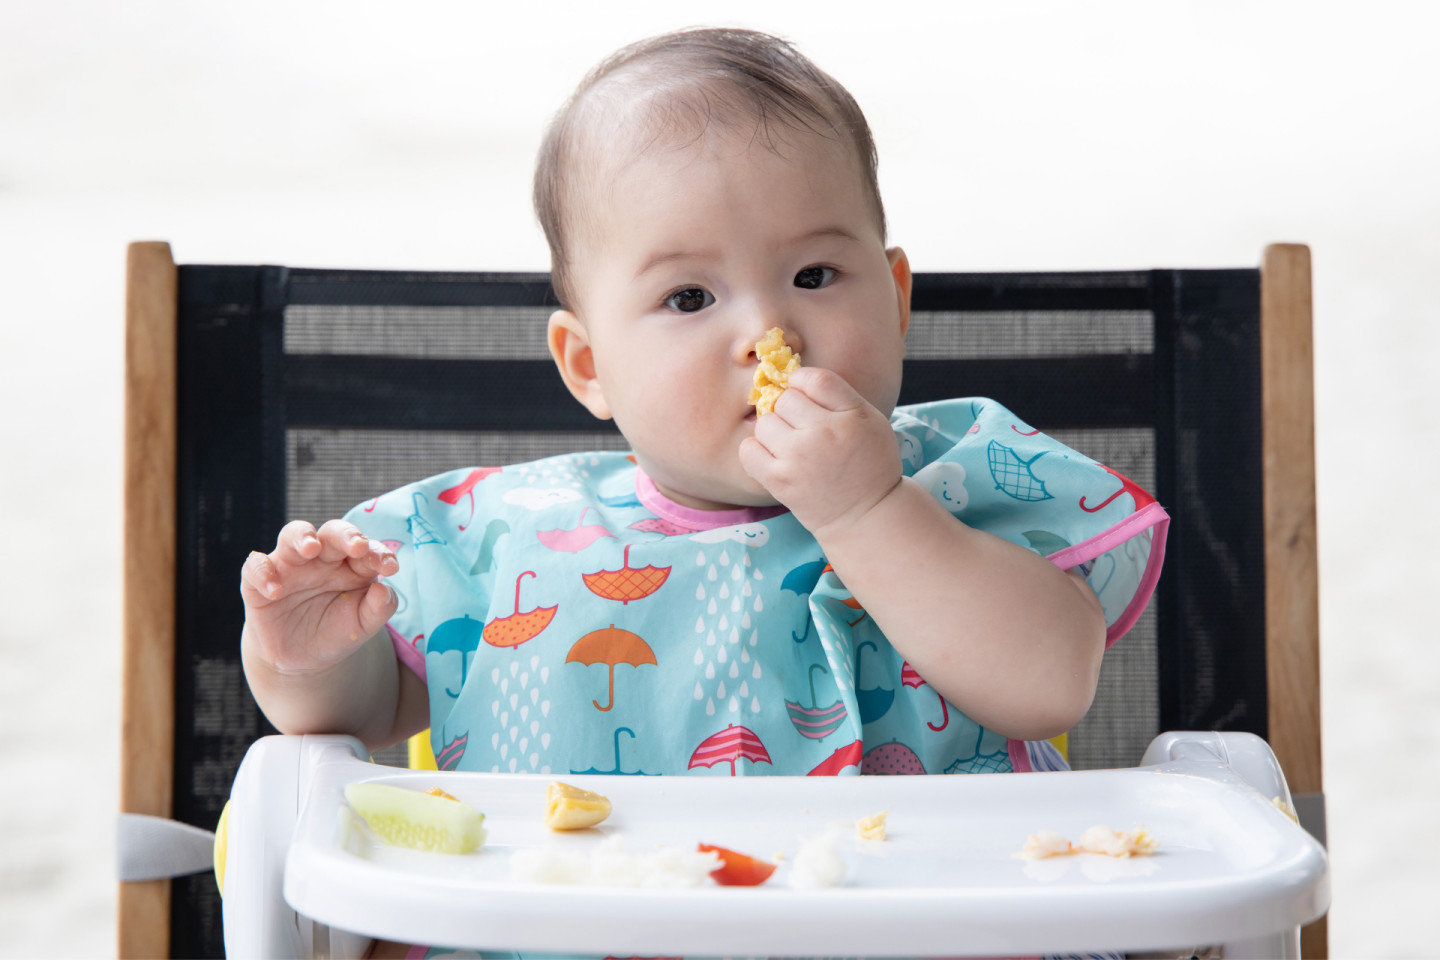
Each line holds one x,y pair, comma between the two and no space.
825,452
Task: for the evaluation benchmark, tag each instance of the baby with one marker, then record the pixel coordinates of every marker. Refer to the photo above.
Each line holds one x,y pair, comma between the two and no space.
739,595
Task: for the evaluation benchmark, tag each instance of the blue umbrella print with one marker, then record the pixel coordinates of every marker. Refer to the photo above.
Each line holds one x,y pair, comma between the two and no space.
875,702
801,581
462,634
1014,476
421,529
617,770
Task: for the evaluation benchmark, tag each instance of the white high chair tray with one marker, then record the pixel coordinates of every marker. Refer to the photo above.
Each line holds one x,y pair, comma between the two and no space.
1229,865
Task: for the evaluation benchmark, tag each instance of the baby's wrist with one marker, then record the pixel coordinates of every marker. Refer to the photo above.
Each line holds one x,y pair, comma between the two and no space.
858,522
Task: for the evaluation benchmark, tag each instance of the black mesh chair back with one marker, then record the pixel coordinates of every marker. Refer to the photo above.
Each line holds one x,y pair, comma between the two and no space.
300,393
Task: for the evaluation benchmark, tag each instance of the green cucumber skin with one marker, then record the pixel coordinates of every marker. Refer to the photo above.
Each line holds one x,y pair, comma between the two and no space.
378,801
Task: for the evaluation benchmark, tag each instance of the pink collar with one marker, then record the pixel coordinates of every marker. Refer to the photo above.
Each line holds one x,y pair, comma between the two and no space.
689,517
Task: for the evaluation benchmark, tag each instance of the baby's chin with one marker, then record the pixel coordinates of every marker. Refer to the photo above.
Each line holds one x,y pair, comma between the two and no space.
706,496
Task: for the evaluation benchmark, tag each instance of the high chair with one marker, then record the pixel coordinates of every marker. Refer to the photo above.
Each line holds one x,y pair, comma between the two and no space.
256,395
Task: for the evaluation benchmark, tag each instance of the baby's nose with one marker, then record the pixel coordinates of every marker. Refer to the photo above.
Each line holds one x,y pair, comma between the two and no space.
745,348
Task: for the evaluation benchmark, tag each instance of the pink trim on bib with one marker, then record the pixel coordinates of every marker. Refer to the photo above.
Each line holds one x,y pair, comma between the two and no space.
406,653
690,518
1151,515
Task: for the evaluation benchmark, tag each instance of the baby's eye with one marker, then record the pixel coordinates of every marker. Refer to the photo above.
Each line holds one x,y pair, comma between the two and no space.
813,278
689,300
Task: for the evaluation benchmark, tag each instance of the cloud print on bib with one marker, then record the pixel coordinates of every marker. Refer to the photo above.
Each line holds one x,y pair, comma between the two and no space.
750,534
946,483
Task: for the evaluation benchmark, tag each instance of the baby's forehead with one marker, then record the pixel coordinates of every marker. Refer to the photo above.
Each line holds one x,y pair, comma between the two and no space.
631,116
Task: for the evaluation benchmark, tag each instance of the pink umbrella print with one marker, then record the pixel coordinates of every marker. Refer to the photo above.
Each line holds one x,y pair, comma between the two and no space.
575,539
729,745
910,678
815,721
466,488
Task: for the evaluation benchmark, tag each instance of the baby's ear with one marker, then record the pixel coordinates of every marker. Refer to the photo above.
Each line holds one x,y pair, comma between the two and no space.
900,271
570,347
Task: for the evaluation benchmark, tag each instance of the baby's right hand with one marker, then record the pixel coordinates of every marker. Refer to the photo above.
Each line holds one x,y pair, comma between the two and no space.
315,600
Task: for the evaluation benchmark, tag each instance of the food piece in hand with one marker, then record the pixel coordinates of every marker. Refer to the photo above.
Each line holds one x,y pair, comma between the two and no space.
872,828
772,376
1117,843
1046,843
570,808
736,869
420,821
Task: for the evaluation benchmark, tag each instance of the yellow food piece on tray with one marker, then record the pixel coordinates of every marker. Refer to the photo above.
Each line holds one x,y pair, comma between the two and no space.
1046,843
570,808
420,821
772,376
872,828
437,792
1102,840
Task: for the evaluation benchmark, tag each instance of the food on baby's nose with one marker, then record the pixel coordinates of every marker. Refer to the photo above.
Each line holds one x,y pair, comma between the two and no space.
432,821
772,376
570,808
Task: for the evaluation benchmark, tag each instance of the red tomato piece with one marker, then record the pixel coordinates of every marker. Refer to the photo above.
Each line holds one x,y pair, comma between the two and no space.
736,869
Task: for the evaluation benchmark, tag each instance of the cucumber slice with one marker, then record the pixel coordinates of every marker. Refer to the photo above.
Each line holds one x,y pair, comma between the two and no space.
407,818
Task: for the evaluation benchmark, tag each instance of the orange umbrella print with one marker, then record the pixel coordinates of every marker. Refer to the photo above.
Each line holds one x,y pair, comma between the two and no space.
515,629
610,646
628,583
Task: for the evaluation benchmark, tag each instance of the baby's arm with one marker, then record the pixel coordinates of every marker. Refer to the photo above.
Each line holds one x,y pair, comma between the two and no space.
314,646
995,628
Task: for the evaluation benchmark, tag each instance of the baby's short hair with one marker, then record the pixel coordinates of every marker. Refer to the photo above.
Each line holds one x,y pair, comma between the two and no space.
697,77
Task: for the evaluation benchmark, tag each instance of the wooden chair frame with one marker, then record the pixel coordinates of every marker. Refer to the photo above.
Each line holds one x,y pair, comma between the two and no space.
148,710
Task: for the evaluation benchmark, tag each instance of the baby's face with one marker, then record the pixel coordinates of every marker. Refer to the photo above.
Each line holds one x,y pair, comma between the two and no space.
688,255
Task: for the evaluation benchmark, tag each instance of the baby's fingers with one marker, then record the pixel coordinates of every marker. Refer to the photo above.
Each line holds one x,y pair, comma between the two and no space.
258,575
297,543
340,541
377,561
377,606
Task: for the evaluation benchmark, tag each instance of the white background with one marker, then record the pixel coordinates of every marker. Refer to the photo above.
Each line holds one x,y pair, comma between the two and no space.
1015,136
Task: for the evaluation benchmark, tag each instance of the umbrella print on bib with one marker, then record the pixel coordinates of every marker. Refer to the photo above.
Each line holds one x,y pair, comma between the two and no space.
1142,499
628,583
910,678
575,539
892,759
462,634
485,557
1015,477
610,646
663,527
847,756
801,581
875,702
449,756
617,770
814,721
421,530
519,627
730,745
993,761
466,488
